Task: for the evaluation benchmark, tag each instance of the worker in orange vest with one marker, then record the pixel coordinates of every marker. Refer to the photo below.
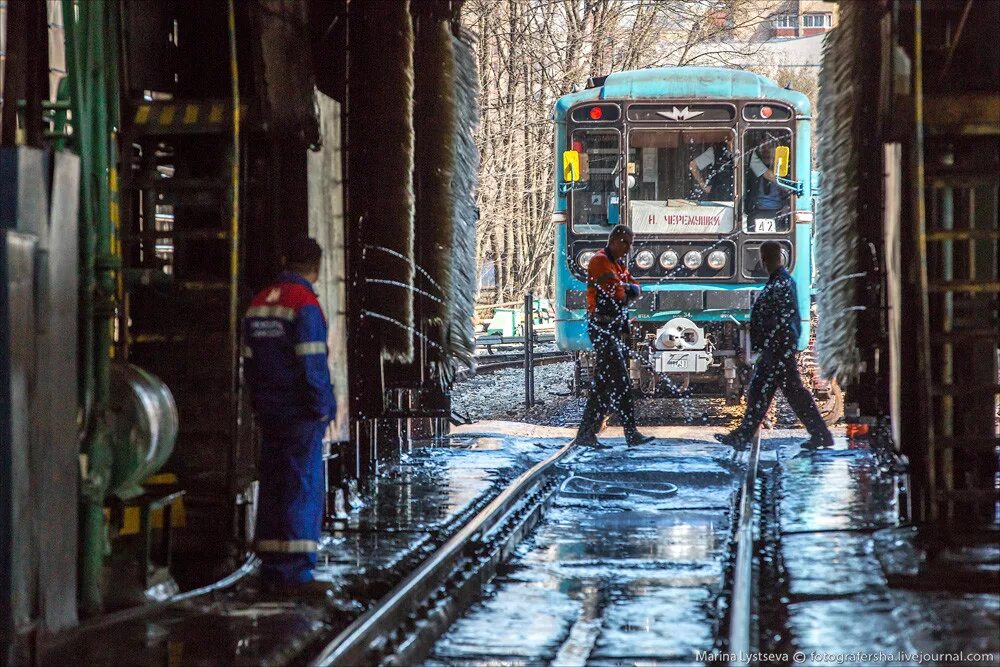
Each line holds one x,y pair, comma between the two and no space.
610,290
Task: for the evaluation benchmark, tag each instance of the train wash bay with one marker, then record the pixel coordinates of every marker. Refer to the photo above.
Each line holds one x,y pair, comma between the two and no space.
464,332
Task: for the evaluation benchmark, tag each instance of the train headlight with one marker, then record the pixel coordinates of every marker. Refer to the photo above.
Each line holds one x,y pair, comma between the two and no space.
717,259
669,260
583,259
644,259
692,260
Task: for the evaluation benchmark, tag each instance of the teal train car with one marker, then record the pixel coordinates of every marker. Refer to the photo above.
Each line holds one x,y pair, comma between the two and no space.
704,164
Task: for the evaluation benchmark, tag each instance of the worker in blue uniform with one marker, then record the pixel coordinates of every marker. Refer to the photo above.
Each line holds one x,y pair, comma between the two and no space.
775,326
286,368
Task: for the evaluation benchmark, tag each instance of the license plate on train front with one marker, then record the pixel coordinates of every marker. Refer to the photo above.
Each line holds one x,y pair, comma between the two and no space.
765,226
678,363
688,361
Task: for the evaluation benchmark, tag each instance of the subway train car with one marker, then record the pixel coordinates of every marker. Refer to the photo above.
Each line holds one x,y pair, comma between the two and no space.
704,164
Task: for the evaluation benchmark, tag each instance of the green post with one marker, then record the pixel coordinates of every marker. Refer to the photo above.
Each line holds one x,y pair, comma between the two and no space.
91,47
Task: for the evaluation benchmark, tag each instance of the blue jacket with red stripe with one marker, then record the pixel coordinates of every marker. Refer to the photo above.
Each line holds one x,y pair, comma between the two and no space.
285,350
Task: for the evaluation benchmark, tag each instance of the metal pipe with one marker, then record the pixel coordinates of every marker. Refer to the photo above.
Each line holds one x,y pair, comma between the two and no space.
91,43
947,220
78,59
955,40
741,604
99,44
36,79
91,512
80,138
3,57
234,247
924,347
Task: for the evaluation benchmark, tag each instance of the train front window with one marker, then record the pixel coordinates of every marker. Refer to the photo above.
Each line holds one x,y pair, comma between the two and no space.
595,199
681,181
767,206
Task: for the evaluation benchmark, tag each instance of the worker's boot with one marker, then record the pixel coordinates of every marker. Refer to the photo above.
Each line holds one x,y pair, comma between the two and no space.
634,438
588,439
734,440
824,441
590,425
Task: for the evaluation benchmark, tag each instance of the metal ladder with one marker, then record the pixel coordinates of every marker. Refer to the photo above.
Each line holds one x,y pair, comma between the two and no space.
180,179
958,245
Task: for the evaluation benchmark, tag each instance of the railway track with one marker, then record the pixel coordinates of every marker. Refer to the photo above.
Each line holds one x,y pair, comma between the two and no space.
622,530
500,362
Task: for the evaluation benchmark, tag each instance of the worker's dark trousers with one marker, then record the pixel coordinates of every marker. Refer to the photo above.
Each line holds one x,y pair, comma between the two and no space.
774,370
290,502
612,389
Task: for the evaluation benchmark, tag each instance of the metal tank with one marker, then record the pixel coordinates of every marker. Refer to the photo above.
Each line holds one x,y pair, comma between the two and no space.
143,425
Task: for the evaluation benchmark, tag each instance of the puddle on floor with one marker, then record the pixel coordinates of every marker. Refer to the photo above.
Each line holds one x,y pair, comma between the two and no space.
610,579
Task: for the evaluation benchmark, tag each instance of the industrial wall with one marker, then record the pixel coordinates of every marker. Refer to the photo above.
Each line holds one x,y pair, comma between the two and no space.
907,242
39,450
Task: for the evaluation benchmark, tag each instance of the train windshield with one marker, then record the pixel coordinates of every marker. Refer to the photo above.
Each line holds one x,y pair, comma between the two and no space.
766,204
682,181
596,207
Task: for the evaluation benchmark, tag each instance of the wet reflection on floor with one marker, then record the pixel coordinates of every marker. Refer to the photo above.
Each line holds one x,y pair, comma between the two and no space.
431,485
609,579
836,490
837,510
410,509
228,632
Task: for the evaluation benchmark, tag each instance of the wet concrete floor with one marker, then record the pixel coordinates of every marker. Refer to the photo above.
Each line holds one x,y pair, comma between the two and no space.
840,534
611,576
616,573
413,506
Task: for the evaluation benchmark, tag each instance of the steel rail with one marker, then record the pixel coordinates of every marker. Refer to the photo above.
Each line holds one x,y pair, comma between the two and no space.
353,645
741,602
540,359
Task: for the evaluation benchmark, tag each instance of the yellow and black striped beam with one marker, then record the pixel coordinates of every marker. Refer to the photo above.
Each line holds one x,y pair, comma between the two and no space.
181,117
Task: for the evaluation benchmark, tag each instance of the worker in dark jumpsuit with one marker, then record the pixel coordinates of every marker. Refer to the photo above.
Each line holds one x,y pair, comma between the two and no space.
286,369
775,326
610,289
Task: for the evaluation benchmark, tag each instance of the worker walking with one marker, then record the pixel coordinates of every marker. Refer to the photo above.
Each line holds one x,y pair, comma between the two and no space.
610,290
775,326
286,369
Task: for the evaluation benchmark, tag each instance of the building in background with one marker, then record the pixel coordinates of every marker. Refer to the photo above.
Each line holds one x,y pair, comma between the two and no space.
803,18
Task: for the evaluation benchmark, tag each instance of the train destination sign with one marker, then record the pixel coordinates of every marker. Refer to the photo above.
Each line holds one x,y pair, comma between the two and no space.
680,217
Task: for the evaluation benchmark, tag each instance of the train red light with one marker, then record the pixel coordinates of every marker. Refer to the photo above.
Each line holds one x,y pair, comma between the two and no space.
596,113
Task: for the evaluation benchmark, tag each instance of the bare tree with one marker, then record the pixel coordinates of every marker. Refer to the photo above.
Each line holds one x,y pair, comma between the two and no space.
533,51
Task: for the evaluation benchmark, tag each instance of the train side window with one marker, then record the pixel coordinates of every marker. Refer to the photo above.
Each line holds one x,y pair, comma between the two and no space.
767,204
595,198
